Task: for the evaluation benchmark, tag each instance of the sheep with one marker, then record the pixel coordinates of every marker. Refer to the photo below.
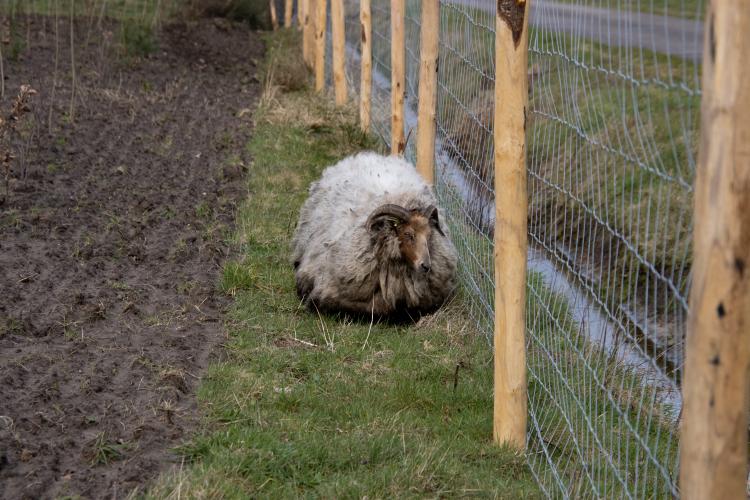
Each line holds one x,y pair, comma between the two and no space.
370,242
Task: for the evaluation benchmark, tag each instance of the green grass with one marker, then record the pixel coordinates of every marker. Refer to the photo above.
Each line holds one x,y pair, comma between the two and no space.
102,451
320,406
137,38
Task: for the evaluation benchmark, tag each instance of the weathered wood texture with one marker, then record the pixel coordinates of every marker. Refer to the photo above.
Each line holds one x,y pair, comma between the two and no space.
426,116
365,91
714,440
398,75
307,11
511,94
274,17
320,44
288,7
339,51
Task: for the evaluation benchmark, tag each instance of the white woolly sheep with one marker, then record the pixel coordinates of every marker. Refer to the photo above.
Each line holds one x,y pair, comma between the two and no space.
369,241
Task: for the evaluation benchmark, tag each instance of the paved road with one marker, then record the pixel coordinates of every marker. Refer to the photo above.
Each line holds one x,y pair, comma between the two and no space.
668,35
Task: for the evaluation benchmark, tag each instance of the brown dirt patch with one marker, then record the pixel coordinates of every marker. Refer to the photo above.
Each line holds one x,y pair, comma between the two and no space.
111,245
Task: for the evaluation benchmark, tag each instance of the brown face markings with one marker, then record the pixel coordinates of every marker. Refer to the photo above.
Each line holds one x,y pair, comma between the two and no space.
413,238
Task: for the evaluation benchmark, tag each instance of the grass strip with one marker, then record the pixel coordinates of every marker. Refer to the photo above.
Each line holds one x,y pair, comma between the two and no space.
320,406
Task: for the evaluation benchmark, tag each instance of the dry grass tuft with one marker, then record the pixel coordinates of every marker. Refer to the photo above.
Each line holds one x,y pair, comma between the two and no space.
284,66
8,129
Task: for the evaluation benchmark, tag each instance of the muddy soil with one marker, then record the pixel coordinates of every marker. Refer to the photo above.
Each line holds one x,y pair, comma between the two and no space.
112,238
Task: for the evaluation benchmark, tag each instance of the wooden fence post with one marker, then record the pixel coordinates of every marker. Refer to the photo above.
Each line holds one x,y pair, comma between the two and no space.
274,18
428,66
301,15
714,440
320,44
511,96
288,6
308,32
339,51
398,78
365,90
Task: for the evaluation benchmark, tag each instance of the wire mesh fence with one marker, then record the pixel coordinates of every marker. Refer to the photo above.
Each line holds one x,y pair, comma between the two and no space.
612,127
612,146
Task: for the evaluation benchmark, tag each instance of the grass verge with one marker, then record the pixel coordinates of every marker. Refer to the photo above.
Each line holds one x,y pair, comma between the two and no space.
308,405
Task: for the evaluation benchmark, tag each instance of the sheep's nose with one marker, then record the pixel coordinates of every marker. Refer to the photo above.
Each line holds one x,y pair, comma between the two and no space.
425,267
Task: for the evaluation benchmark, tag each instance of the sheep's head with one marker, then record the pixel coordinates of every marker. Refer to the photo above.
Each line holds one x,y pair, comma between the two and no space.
412,229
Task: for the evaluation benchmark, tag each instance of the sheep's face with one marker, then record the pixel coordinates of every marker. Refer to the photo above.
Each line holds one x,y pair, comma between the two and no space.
411,228
413,241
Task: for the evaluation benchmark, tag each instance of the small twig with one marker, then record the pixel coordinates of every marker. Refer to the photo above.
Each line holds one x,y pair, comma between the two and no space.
328,339
8,128
71,111
304,342
372,320
402,146
27,277
2,73
54,72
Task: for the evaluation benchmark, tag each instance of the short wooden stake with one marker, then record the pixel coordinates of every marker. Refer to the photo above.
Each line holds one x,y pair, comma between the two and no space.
339,51
511,95
320,44
274,19
365,91
428,89
288,6
714,440
398,76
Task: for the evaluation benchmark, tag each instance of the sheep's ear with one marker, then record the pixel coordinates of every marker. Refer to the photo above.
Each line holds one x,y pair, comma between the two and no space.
431,213
387,216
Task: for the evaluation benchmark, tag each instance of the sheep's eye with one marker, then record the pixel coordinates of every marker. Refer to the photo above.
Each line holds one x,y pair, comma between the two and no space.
410,237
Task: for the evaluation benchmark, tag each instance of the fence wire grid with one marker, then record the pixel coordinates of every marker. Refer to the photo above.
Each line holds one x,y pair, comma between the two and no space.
614,100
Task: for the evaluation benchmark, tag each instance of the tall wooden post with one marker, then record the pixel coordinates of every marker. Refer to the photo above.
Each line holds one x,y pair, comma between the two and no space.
320,44
428,66
398,75
511,94
307,11
714,441
288,6
274,18
339,51
365,90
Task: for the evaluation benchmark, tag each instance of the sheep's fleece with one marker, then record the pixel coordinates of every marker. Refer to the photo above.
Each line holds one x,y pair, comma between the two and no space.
342,266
